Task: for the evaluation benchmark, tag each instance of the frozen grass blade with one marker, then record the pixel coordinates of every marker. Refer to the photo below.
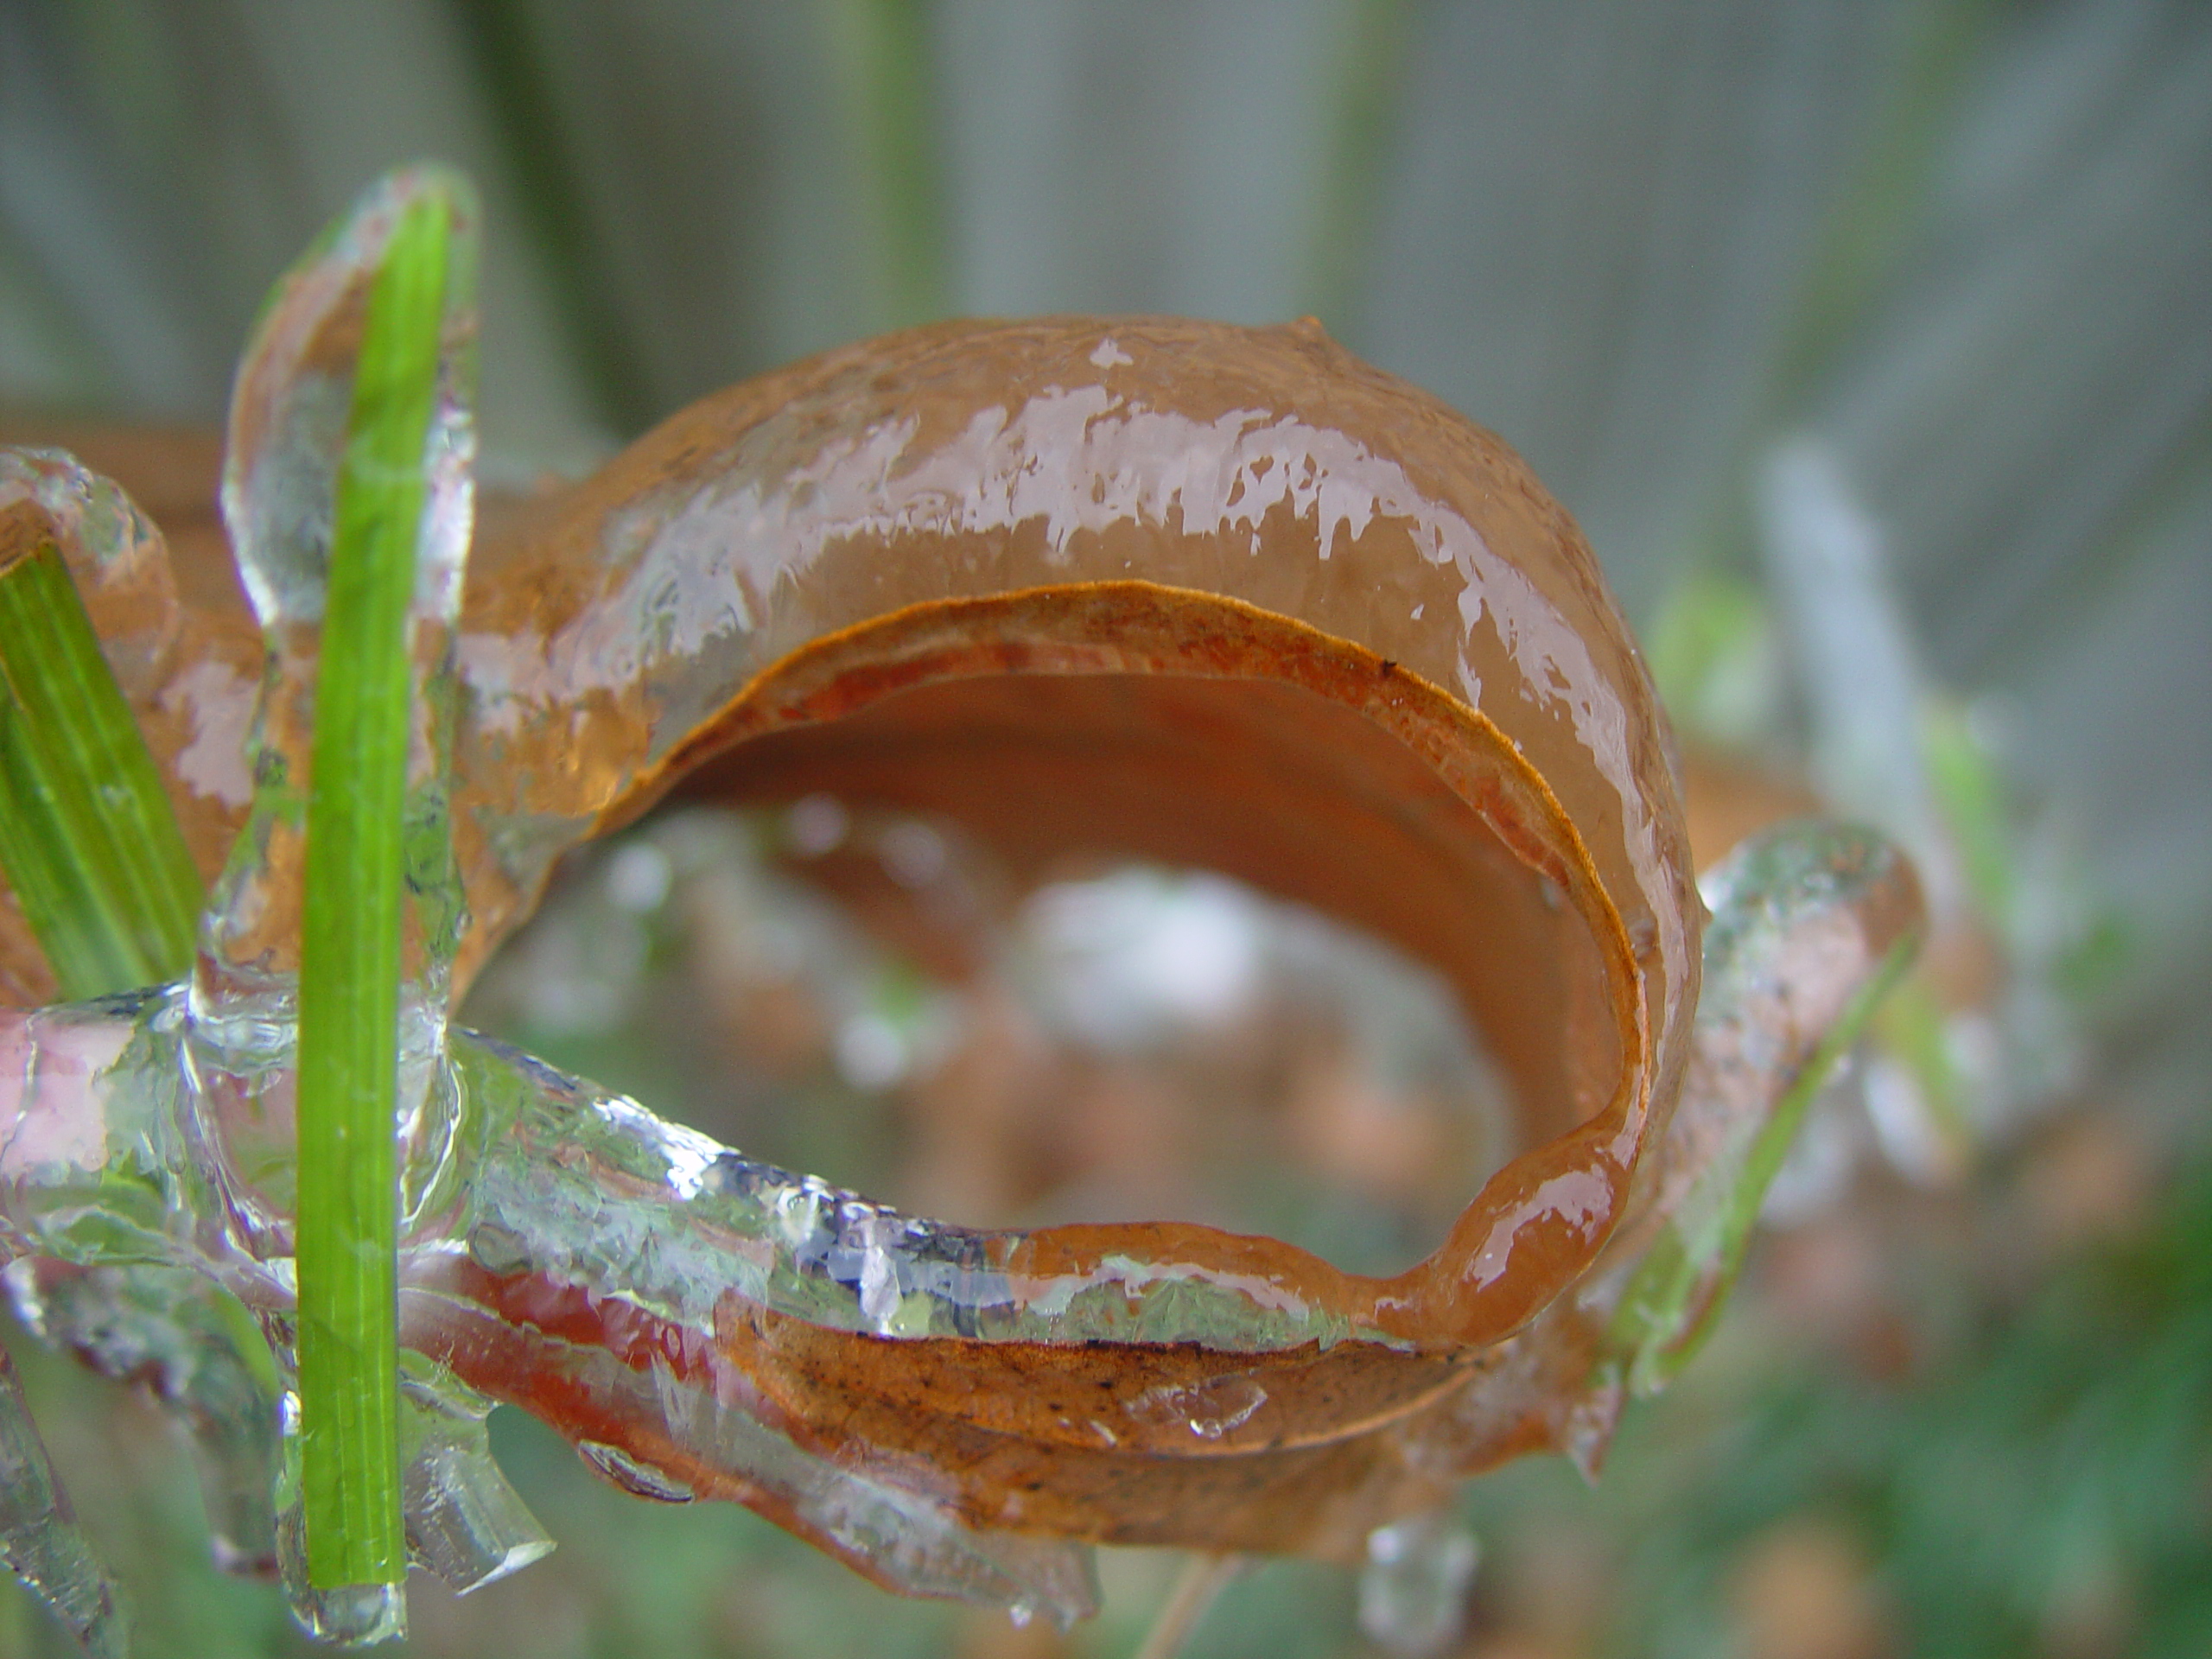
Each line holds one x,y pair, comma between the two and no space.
1786,904
503,39
87,837
1679,1290
350,944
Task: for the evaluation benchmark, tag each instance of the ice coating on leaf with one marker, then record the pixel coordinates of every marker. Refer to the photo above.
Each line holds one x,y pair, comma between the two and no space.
605,1316
668,1303
464,1522
287,438
651,1292
1281,629
708,1224
950,1410
290,403
196,1348
970,460
288,433
40,1539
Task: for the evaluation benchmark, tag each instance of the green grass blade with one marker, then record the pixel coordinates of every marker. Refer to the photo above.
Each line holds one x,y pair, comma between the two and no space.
350,946
1364,96
87,837
886,79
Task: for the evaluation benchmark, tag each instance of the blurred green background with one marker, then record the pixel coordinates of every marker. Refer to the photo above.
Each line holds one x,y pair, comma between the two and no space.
1731,274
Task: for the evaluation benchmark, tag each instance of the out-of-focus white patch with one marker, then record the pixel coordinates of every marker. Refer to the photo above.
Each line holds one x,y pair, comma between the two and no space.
871,1052
1130,958
816,825
912,852
1858,661
1905,1125
639,877
1413,1592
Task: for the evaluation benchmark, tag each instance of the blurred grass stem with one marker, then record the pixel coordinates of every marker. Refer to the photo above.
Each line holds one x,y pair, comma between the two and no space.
503,44
1365,76
886,74
1196,1589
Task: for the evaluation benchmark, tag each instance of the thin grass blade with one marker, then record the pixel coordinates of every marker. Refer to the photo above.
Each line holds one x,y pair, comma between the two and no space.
350,945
